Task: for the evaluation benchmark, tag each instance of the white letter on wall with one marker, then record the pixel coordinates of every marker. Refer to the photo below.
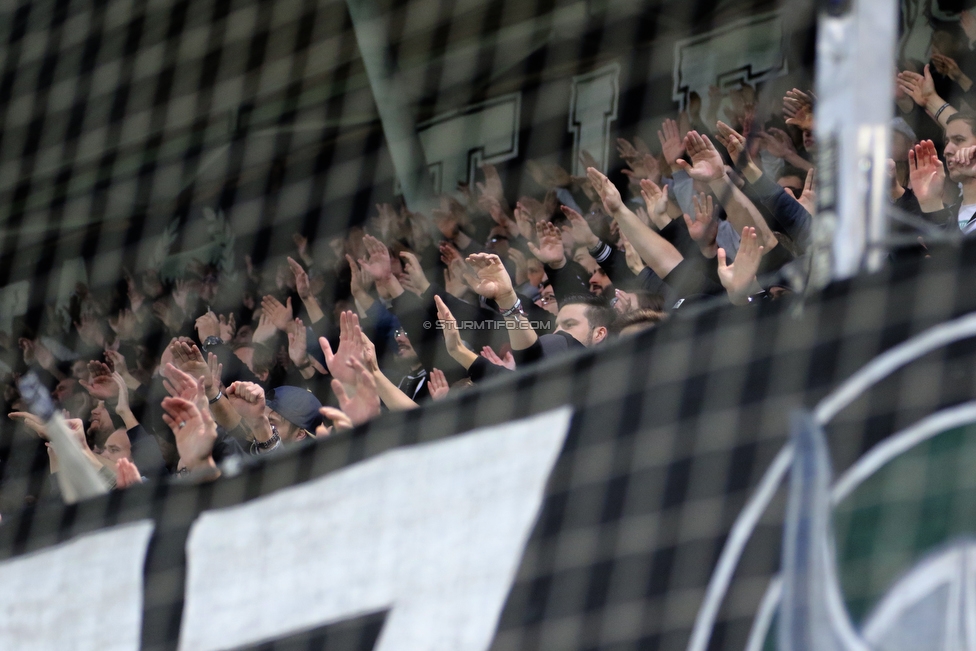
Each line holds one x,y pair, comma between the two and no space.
434,532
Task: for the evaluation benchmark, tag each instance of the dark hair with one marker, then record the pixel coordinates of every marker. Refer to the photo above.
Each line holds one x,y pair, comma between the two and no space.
598,311
637,317
966,116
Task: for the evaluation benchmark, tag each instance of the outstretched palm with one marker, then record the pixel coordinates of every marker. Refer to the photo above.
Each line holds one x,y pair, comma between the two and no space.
492,278
707,164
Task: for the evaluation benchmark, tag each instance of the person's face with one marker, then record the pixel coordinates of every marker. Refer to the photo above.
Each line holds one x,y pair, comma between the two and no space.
101,422
958,136
497,244
599,282
792,184
535,272
63,391
117,447
809,142
572,320
547,300
287,431
405,349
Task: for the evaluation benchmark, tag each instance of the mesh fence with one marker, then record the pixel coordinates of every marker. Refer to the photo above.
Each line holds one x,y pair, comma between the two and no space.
161,159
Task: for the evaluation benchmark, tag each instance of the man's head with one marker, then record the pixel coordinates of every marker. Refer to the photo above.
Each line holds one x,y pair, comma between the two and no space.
587,319
547,299
960,133
293,411
100,424
535,271
405,350
791,180
497,242
600,284
116,446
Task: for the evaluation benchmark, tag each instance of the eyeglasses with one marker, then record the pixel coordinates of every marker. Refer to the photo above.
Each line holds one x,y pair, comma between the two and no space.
546,300
399,332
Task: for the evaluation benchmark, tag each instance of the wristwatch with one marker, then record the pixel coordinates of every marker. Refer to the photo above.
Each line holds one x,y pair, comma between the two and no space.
210,342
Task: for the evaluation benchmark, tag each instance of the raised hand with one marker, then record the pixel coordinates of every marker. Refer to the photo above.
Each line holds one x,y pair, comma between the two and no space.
550,250
364,404
738,278
125,325
247,399
207,326
377,265
798,108
227,326
508,361
183,385
672,143
126,474
700,226
493,280
119,363
414,272
297,344
437,384
733,141
656,200
524,221
921,88
777,142
707,164
947,66
188,358
100,384
452,335
927,175
302,285
582,233
279,315
340,421
350,347
607,191
265,331
549,175
808,198
194,430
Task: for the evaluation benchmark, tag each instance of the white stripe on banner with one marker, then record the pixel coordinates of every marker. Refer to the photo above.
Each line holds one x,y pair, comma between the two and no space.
83,595
434,532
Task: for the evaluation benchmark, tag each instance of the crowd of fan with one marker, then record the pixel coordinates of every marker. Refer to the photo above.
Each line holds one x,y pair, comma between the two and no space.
183,376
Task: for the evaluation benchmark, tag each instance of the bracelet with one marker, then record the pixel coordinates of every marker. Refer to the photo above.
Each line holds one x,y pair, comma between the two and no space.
220,394
939,112
515,309
271,442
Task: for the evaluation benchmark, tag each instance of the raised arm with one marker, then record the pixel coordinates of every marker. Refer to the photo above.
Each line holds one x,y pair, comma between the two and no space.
709,168
656,252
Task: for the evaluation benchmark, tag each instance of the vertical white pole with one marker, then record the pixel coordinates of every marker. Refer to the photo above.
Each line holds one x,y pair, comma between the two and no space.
855,87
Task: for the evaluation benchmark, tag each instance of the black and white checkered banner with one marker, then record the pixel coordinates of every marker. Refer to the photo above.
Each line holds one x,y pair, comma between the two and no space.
631,497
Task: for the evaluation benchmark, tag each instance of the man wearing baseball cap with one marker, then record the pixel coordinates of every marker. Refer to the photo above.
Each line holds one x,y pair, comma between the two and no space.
293,412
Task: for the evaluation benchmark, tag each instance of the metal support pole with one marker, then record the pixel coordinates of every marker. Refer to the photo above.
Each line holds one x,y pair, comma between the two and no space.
855,86
394,106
